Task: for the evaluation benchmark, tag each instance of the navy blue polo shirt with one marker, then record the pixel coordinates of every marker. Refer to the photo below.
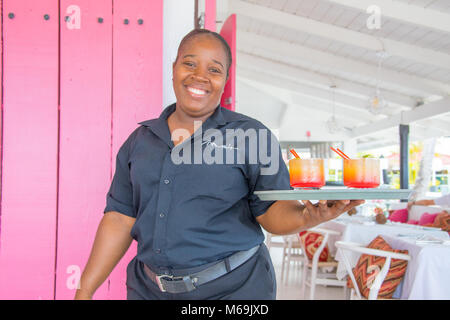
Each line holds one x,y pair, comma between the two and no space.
196,211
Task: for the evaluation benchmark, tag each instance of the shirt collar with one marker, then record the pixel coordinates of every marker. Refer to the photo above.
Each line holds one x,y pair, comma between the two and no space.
160,127
217,117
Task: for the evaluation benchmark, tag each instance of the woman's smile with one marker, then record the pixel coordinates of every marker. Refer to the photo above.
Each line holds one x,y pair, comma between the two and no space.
196,92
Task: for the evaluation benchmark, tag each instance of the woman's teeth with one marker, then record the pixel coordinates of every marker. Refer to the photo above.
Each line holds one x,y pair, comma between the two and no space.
196,92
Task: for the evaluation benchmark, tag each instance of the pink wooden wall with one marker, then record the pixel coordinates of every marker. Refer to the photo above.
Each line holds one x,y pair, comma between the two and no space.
70,101
228,32
30,149
210,15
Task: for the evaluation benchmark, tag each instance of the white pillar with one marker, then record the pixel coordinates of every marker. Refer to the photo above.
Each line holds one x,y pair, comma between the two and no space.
178,20
425,170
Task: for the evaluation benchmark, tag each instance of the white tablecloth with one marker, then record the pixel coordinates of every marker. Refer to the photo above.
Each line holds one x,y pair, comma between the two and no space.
427,276
363,230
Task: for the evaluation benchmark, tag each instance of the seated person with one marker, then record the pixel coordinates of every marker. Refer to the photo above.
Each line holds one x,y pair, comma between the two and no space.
443,201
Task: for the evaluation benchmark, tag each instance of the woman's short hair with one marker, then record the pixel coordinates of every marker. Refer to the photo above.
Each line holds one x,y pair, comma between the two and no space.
197,32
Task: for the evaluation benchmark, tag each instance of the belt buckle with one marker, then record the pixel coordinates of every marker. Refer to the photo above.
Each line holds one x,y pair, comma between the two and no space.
169,278
187,282
160,284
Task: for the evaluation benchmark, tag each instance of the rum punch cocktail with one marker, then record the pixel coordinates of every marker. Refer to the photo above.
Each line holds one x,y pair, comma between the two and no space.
362,173
307,173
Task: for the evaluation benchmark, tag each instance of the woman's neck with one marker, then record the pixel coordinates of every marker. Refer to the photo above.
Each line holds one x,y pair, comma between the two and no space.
180,121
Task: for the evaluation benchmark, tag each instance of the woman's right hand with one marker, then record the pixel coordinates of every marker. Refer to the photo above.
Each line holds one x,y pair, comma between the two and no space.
112,240
81,295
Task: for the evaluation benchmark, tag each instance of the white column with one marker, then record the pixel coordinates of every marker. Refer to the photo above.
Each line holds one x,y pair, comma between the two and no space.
178,21
425,170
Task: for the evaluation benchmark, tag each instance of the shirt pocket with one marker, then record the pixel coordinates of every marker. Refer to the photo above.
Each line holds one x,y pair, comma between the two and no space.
226,182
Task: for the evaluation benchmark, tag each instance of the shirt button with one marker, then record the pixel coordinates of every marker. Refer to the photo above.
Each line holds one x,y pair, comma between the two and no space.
166,181
161,215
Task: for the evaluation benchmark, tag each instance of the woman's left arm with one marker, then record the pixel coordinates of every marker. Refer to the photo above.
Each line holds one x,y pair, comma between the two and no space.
289,216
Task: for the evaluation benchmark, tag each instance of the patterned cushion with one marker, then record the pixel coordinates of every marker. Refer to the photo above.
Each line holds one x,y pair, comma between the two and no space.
369,266
312,241
442,221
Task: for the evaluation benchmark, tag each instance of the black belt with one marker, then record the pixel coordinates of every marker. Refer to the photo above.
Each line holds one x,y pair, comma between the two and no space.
180,284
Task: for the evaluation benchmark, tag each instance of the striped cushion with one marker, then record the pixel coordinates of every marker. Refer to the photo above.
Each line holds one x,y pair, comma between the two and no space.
369,266
312,241
442,221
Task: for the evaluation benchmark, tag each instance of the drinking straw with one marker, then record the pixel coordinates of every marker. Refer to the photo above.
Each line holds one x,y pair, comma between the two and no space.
347,157
343,155
295,153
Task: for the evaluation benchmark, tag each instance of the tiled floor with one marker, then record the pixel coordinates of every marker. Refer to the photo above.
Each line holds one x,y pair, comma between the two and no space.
291,289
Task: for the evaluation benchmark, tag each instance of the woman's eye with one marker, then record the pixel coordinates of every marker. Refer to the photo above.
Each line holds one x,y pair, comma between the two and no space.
189,64
214,70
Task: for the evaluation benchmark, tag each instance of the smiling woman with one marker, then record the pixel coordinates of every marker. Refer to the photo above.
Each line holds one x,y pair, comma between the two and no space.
197,224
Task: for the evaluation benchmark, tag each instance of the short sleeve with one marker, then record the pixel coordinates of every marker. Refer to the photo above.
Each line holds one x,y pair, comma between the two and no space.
120,194
270,173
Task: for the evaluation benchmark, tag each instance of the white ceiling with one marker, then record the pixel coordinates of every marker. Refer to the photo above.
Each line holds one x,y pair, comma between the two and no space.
290,53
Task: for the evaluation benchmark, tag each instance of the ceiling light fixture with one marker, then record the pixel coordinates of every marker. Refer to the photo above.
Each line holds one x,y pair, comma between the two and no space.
377,104
332,124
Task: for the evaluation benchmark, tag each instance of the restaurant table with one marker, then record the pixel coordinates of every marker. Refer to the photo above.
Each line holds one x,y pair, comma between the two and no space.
427,276
363,230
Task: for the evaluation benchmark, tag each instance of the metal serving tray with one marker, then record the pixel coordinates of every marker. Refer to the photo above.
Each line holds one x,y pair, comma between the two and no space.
334,194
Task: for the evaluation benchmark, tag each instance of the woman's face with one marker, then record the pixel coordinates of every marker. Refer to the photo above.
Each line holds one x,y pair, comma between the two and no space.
199,75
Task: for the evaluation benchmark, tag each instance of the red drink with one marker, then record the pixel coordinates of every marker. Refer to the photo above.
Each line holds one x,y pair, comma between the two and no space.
362,173
307,173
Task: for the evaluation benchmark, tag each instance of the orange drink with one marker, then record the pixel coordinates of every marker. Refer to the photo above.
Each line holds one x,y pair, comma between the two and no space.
307,173
362,173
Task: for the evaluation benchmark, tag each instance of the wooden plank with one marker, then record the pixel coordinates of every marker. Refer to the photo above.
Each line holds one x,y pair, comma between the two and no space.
228,32
85,136
137,87
210,15
1,109
30,137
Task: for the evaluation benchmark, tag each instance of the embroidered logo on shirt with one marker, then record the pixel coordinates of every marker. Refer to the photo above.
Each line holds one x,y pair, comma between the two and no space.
209,143
235,146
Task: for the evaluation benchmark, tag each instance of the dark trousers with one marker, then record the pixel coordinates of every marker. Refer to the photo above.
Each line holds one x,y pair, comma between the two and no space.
253,280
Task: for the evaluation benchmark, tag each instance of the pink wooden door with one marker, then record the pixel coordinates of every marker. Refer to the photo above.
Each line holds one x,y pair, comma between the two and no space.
30,142
210,15
228,31
85,136
137,86
58,162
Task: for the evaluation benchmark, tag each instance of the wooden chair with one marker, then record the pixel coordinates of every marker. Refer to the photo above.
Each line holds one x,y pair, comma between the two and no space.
292,252
271,242
379,279
317,277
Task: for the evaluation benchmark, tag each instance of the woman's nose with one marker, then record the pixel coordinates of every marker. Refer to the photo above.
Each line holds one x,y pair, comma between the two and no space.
200,75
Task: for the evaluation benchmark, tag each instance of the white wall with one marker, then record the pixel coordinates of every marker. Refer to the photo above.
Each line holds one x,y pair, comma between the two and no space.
178,21
258,105
297,121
